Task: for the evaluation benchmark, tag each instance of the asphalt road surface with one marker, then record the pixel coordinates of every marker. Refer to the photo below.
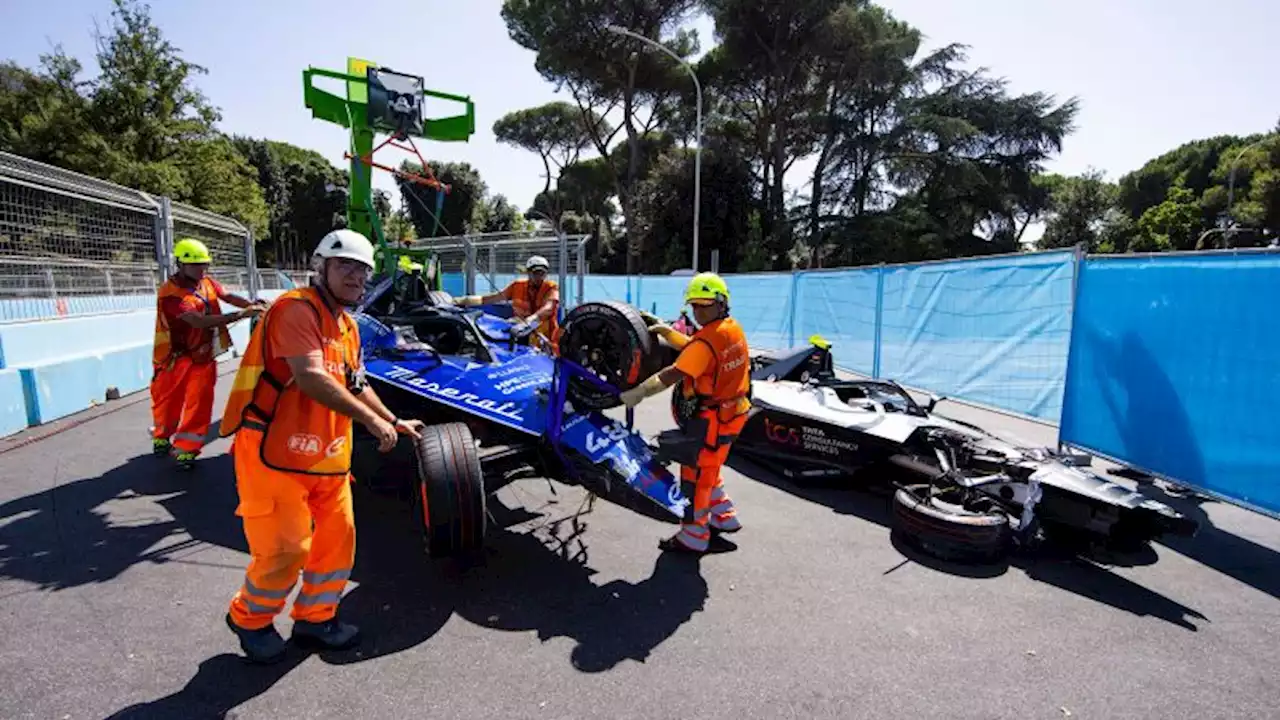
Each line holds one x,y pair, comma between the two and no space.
115,573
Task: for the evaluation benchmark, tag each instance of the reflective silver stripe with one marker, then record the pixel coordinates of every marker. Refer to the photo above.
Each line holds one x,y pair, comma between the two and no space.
252,589
325,598
687,537
193,437
259,607
722,508
729,523
718,494
314,578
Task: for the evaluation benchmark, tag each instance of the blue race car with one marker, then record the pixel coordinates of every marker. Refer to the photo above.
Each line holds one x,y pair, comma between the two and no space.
497,410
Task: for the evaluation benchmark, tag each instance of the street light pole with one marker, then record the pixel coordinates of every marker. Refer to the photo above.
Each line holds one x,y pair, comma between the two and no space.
697,156
1231,173
1231,180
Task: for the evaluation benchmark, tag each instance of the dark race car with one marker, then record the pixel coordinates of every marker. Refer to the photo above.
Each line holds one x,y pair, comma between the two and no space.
962,492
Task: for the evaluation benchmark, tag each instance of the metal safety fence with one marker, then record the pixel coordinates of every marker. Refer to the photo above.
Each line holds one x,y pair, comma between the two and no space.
71,244
487,262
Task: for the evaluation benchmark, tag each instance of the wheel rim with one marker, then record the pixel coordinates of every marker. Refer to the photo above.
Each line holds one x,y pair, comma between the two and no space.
947,501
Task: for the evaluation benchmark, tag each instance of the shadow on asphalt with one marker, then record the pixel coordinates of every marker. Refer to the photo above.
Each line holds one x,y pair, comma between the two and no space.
64,538
1058,566
1228,553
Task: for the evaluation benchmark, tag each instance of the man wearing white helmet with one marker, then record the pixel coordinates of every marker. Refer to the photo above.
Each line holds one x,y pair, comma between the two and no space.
299,387
534,300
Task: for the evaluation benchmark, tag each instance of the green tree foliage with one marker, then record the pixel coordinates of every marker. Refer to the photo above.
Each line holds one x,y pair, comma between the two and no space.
557,132
1171,225
1078,210
140,123
144,123
916,155
305,196
604,72
462,208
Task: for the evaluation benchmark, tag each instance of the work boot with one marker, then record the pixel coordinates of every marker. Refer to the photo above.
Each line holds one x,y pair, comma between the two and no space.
186,460
160,447
674,544
332,634
261,646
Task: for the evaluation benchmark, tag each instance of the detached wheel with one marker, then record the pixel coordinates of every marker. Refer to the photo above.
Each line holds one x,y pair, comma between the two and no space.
450,495
611,340
945,527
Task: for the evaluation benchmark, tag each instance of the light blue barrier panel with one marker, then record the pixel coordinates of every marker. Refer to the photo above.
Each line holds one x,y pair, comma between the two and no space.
38,308
1175,369
761,302
600,288
239,332
454,283
839,305
662,295
13,404
994,331
30,343
59,388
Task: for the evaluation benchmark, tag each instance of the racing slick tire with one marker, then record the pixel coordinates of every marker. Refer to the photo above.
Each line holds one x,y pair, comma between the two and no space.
947,530
611,340
449,497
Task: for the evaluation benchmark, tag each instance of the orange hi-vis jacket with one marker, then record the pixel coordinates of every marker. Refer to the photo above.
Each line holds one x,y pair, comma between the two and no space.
300,435
202,345
725,386
525,301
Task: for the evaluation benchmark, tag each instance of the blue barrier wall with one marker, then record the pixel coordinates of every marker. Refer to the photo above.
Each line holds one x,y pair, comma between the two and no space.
44,308
1175,368
841,306
54,368
993,331
13,407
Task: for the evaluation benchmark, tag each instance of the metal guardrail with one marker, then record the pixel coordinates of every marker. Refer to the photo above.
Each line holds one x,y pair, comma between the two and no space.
71,244
488,260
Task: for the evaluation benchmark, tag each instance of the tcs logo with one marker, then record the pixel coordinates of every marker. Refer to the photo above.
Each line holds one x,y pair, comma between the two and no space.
781,433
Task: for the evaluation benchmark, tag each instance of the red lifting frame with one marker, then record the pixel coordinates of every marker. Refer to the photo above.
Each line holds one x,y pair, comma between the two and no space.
429,179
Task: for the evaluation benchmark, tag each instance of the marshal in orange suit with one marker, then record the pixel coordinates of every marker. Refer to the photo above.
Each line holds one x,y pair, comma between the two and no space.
299,388
191,332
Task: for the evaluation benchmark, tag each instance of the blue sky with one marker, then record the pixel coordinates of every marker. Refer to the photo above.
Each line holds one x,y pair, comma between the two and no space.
1151,74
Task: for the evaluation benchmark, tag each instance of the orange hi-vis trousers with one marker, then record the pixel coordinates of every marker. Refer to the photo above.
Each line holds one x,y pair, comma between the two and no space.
278,509
712,507
182,403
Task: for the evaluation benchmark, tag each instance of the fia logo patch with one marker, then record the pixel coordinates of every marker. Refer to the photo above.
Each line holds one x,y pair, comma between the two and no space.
304,444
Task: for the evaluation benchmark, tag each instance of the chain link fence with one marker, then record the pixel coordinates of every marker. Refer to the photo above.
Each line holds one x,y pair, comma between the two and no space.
230,244
71,244
488,262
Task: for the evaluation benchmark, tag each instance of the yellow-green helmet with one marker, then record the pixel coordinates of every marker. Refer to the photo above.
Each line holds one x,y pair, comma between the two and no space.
190,251
706,287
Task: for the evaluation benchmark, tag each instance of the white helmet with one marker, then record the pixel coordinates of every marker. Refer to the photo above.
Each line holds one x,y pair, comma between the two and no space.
343,243
537,261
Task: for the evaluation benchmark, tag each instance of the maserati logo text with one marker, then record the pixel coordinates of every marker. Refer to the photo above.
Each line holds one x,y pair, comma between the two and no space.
454,395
